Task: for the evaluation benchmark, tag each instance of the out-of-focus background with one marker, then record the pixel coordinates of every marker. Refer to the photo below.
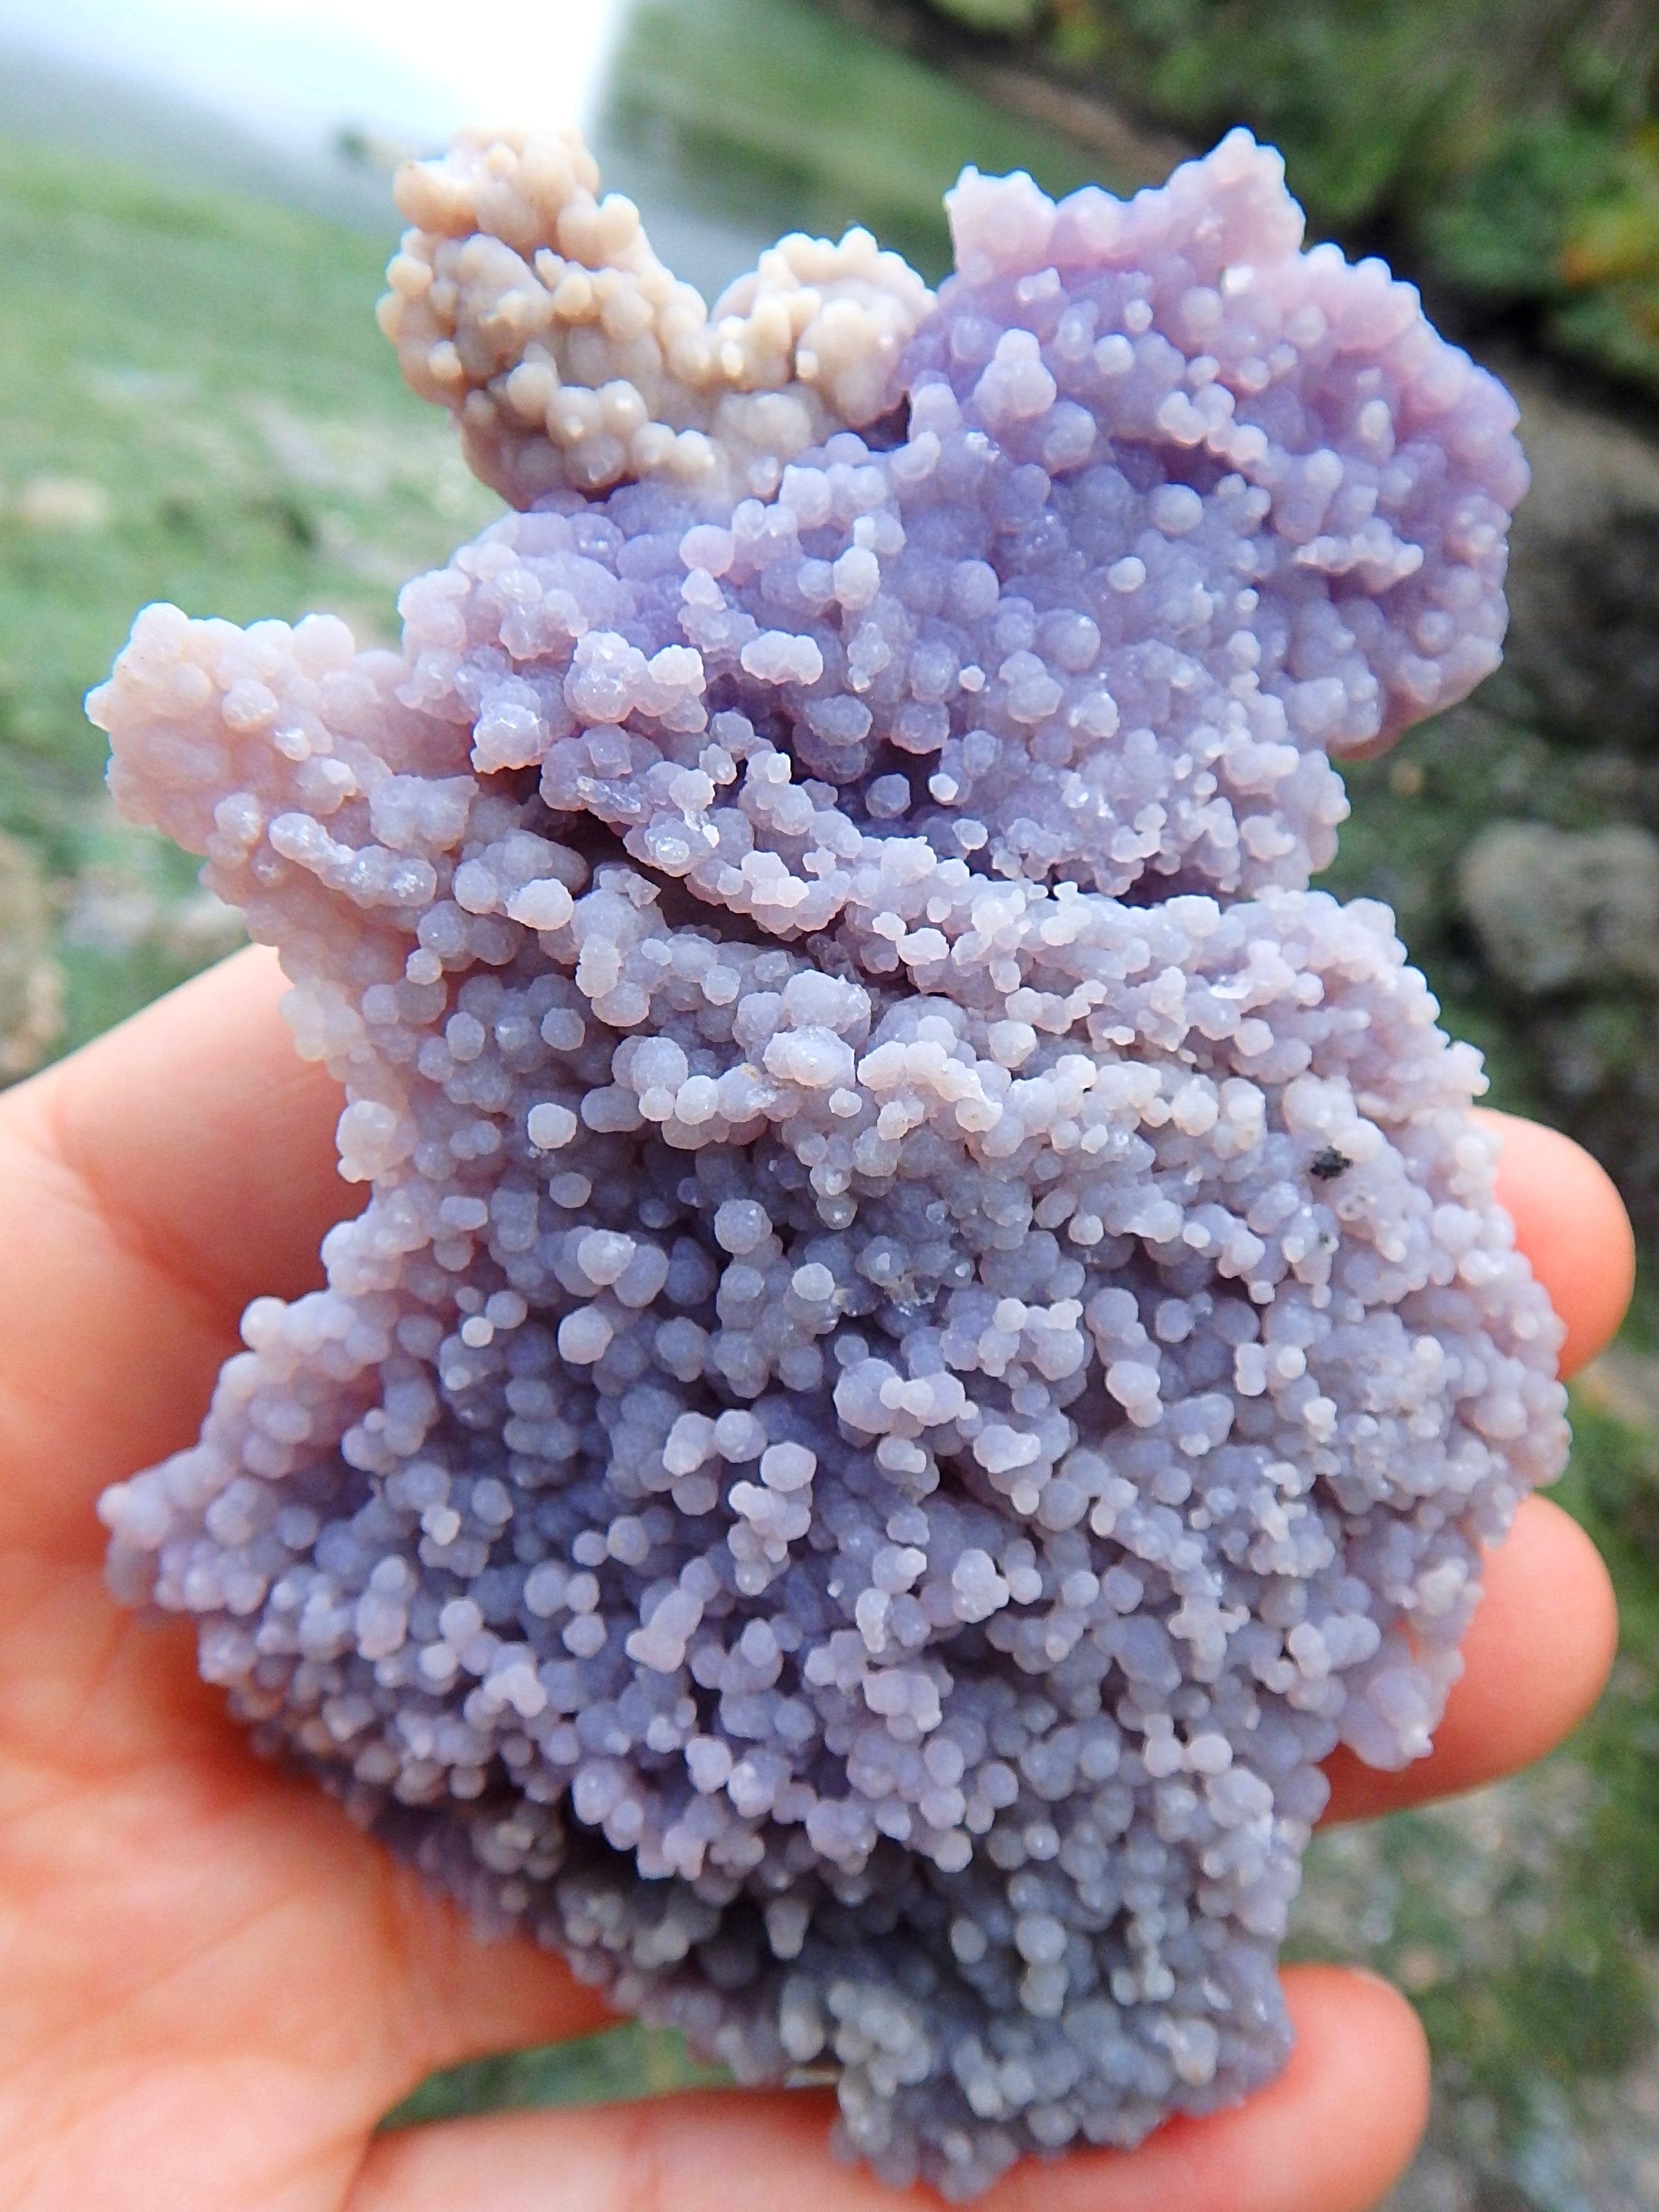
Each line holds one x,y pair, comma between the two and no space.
194,404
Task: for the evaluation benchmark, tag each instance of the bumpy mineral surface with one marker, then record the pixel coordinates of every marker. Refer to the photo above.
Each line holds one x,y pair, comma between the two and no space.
931,1331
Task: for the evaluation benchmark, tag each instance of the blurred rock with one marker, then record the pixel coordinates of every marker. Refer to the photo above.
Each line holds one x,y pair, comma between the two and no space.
1559,908
1584,570
115,912
64,503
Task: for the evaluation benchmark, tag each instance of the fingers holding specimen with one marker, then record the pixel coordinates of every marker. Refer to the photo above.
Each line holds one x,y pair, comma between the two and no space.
1571,1224
1535,1658
1332,2133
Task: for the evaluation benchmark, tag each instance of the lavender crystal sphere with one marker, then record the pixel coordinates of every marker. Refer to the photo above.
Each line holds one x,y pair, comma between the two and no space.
931,1331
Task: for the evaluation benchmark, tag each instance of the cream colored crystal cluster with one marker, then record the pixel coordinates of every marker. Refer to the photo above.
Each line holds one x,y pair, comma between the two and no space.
538,315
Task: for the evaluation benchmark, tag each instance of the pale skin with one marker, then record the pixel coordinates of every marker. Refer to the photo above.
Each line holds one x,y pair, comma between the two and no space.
211,1987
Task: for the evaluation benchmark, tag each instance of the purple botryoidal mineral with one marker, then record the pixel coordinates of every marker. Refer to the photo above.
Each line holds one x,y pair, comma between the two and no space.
932,1330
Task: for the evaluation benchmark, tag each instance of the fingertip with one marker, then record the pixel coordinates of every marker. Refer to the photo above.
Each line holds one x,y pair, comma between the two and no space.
1341,2125
1540,1646
1334,2128
1571,1224
196,1125
1536,1658
1334,2131
1382,2067
1374,2080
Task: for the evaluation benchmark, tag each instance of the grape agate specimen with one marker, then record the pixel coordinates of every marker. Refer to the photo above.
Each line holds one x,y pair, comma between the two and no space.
931,1331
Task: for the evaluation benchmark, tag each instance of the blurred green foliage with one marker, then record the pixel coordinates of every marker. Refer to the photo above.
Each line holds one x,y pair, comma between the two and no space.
1508,148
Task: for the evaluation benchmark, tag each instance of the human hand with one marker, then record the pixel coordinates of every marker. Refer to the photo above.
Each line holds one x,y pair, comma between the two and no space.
212,1987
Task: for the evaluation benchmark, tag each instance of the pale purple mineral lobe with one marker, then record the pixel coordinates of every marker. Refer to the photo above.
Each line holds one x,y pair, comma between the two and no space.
931,1331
